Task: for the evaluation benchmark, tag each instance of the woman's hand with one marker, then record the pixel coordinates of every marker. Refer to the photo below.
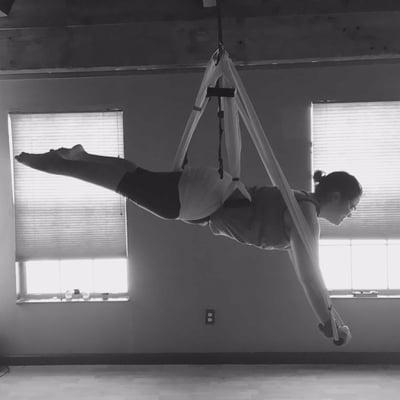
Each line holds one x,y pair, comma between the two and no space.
343,331
344,336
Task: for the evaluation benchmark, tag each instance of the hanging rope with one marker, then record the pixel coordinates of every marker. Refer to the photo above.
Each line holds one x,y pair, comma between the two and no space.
220,39
220,111
220,134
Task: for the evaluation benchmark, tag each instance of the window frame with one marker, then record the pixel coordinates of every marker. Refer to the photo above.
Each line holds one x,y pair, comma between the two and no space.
362,293
22,296
57,297
352,293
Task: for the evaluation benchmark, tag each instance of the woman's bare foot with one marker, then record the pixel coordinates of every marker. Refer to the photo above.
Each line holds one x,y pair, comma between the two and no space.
50,162
74,153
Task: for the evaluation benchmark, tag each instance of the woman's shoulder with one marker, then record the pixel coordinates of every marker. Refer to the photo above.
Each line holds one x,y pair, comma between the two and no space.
310,212
304,197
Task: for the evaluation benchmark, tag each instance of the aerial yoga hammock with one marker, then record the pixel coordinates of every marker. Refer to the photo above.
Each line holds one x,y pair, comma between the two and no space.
235,103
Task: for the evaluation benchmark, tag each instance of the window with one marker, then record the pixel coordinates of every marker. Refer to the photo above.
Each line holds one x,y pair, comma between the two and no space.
70,235
364,267
361,257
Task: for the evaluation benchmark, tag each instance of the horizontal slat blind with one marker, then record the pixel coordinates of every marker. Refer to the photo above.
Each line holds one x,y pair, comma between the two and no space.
363,139
60,217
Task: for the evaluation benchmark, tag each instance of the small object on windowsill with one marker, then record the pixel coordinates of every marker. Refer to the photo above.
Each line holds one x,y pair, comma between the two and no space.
76,294
365,293
85,296
68,295
105,296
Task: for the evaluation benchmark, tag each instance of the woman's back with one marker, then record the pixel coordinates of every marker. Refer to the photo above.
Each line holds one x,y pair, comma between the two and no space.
260,223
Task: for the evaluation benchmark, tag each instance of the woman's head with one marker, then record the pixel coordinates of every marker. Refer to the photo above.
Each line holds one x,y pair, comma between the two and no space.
338,194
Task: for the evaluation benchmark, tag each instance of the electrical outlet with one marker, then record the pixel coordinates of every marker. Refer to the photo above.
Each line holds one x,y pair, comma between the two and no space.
210,316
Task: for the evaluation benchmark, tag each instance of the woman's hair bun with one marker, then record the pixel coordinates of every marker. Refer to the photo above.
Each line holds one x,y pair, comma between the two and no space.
318,175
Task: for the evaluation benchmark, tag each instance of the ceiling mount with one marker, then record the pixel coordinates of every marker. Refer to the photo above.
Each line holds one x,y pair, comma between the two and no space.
209,3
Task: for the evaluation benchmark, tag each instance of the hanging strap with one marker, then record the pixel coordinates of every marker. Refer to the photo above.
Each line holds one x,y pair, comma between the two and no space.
233,137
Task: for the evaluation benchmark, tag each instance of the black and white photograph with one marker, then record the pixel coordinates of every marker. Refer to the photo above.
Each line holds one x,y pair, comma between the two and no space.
200,199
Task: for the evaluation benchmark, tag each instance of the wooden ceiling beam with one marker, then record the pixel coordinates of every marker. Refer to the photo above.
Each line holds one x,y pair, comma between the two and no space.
160,44
35,13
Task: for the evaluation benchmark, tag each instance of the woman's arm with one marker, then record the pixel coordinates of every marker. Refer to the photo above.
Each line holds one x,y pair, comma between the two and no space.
309,273
307,269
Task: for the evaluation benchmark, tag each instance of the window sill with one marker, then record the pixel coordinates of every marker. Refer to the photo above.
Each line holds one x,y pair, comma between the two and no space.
350,296
58,300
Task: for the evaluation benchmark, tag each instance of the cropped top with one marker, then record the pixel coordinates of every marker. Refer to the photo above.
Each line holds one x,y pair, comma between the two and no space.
259,223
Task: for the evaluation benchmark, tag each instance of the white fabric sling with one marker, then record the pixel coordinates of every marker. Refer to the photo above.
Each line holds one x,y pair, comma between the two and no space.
240,105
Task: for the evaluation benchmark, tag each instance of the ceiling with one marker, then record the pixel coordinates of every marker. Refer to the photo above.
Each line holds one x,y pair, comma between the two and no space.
119,35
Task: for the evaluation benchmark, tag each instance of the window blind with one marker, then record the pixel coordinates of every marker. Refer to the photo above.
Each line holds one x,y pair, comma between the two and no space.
59,217
363,139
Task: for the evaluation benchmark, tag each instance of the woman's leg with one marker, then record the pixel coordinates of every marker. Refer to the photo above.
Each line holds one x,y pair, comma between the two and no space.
157,192
78,153
105,175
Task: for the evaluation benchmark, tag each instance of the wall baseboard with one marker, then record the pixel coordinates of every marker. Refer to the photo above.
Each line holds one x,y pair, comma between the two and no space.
202,358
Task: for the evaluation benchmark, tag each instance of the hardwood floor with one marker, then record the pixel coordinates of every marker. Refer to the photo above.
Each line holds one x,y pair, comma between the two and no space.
202,382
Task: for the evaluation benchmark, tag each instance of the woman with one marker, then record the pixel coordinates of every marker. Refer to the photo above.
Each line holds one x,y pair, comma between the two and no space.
199,196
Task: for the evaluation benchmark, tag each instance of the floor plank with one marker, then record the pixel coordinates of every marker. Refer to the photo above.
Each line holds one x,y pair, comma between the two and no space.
201,382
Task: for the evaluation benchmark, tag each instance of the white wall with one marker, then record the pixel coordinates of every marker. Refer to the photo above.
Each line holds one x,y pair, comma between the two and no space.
178,270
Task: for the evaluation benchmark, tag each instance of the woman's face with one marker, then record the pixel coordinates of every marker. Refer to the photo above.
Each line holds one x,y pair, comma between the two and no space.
336,209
